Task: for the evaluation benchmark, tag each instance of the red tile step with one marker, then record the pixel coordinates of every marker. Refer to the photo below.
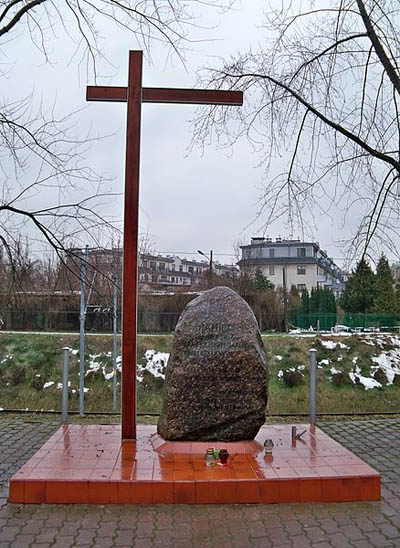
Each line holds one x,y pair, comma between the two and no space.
90,464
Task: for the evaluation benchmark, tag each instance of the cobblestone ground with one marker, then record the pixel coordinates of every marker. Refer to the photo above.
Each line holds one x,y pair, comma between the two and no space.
288,525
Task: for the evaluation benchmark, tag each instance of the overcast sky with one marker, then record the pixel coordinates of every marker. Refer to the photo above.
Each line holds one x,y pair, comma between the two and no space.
188,201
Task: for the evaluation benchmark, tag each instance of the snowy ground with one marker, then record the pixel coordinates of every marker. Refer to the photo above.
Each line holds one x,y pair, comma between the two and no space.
339,358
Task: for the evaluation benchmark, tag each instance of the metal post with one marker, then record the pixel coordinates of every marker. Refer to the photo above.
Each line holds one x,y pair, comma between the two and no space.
82,316
211,268
115,319
65,381
313,382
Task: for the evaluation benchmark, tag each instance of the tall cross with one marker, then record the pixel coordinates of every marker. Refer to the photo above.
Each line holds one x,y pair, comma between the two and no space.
135,95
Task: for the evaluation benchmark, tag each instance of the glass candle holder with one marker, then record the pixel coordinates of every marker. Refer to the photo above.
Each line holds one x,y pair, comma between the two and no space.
223,456
268,446
209,457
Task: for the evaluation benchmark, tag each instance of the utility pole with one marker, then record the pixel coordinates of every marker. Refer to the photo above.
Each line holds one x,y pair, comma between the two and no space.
211,269
82,318
210,262
115,320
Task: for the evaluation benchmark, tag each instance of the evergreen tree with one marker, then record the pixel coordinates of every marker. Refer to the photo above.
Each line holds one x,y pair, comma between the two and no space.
314,301
332,302
261,282
305,302
397,296
385,300
294,291
359,293
294,300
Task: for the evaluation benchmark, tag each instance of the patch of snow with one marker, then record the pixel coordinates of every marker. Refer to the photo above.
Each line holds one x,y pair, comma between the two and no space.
367,382
48,384
324,362
280,373
156,363
279,358
1,409
340,358
334,370
368,341
389,363
330,345
86,390
60,385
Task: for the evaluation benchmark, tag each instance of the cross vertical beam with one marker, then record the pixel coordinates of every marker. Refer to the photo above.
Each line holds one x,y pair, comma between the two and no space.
130,254
135,95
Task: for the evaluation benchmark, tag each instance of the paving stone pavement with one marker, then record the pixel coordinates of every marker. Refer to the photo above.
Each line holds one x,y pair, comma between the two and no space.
340,525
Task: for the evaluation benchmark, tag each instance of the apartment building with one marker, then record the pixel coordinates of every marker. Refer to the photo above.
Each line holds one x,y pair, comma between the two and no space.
292,262
395,268
174,271
154,270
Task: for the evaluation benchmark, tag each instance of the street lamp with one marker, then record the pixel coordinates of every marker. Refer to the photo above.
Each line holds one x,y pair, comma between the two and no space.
210,260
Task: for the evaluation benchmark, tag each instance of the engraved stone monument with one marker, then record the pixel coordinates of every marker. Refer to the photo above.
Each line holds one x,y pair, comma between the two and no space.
216,379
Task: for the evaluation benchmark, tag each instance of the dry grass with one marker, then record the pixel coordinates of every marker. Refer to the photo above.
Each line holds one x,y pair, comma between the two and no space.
41,355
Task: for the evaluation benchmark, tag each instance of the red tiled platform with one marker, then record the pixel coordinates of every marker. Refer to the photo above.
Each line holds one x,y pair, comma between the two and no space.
88,464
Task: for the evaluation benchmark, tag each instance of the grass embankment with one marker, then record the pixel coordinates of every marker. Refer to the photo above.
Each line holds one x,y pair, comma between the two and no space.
29,363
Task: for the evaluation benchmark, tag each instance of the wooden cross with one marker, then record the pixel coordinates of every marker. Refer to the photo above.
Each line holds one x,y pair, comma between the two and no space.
135,95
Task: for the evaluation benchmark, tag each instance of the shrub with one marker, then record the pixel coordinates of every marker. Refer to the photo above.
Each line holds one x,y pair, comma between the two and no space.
37,383
341,379
292,378
16,375
380,376
396,380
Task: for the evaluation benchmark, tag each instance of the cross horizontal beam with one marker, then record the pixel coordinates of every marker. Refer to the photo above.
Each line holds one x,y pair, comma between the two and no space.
167,95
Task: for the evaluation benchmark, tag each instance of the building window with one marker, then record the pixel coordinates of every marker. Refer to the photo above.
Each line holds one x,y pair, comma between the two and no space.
161,266
153,265
301,270
272,253
173,280
301,287
301,251
271,270
180,268
191,269
154,279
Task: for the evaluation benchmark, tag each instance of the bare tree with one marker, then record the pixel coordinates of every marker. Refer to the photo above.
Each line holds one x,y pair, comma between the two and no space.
325,89
42,160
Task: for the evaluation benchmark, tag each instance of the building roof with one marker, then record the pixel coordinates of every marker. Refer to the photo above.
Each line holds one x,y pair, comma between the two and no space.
269,242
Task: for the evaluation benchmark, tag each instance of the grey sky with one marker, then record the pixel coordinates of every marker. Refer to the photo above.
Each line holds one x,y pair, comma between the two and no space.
188,202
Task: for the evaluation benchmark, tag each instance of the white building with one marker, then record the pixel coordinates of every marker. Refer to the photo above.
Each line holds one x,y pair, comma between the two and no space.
303,264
